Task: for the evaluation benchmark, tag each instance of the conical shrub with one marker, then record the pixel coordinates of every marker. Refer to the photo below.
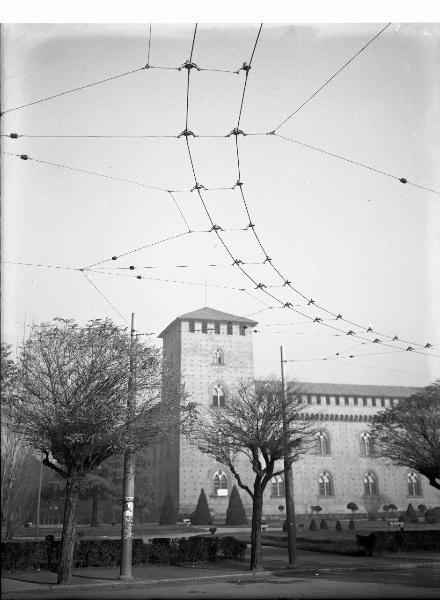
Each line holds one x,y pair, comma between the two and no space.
235,514
168,515
338,526
201,515
323,524
351,524
411,513
313,526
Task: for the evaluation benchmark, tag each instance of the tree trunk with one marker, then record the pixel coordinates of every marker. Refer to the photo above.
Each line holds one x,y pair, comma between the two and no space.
68,537
94,517
257,509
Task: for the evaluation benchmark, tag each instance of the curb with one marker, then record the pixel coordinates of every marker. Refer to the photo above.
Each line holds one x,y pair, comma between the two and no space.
135,583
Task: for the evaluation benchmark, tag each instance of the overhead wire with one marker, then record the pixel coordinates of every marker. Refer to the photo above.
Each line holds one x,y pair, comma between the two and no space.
357,163
105,297
186,133
236,132
85,171
333,76
180,210
127,252
82,87
149,47
261,286
214,227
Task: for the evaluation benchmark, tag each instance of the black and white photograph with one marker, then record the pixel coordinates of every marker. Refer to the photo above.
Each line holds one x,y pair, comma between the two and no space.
220,300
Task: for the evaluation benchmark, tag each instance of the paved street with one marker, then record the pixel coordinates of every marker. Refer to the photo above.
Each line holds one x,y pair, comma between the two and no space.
399,583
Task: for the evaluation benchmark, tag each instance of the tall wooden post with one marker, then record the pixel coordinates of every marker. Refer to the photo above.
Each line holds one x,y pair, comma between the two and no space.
129,466
37,516
288,479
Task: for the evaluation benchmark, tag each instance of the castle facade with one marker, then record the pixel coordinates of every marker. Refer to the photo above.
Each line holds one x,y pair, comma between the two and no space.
212,352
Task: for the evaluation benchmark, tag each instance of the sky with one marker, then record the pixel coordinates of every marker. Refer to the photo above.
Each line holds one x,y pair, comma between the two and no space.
357,241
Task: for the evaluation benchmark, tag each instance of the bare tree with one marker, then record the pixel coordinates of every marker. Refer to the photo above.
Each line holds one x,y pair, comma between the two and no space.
250,426
409,433
71,403
18,464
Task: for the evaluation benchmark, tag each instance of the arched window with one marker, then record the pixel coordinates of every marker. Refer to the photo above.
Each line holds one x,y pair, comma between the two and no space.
414,487
277,486
220,484
322,443
365,443
218,396
370,484
325,484
218,357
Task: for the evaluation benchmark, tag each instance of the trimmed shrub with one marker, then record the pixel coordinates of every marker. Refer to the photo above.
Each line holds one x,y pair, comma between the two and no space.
352,506
422,508
400,541
201,515
432,515
235,514
313,526
351,524
338,525
404,518
106,552
323,524
168,514
233,548
411,514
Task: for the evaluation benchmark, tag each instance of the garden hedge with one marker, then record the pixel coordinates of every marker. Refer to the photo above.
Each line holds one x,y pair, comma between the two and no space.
106,553
400,541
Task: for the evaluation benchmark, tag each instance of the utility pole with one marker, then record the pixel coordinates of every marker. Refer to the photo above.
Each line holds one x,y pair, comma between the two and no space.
37,517
288,479
129,466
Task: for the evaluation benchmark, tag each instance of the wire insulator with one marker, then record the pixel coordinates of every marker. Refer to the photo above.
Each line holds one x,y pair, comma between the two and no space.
216,228
239,184
311,301
244,67
395,338
317,320
350,332
409,349
260,286
237,261
186,133
189,65
114,258
339,316
14,136
267,259
235,131
428,345
251,226
369,329
287,282
377,341
199,186
24,156
288,305
403,180
132,268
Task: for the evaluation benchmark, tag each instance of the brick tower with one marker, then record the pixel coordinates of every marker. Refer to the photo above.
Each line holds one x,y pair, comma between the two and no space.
212,352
